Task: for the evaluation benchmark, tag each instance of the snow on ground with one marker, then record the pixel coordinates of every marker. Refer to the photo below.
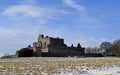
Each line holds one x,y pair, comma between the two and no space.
101,71
60,66
106,71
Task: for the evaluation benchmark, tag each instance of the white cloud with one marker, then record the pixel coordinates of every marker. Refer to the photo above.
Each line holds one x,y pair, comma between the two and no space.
76,38
91,42
13,38
84,19
32,11
72,4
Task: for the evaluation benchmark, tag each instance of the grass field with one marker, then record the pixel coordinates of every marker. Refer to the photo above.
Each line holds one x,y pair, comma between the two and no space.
60,66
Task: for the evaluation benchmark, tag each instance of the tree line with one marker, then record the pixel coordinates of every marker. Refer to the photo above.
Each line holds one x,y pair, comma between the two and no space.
110,49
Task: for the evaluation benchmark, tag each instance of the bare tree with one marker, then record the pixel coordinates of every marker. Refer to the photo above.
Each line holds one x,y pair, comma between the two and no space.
105,45
116,42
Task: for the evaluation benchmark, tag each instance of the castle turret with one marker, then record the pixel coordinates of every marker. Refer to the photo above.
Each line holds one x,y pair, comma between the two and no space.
40,36
79,46
72,45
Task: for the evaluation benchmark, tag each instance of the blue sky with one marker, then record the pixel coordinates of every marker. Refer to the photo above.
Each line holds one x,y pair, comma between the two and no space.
86,21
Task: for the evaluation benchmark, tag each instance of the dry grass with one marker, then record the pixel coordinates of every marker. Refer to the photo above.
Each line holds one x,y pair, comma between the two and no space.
42,66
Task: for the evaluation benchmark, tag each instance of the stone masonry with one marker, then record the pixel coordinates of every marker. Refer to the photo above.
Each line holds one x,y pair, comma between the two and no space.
55,47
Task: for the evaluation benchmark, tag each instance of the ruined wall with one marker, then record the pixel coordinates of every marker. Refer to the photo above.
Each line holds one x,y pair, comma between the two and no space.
66,51
56,42
37,51
43,40
48,46
41,45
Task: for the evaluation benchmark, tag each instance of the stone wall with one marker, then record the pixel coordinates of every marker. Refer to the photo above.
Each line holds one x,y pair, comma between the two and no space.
37,51
66,51
48,46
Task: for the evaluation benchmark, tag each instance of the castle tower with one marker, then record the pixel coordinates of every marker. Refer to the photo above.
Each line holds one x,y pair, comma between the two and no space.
79,46
40,37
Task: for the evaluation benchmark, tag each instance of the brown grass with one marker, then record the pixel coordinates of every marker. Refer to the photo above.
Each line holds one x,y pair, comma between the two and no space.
37,66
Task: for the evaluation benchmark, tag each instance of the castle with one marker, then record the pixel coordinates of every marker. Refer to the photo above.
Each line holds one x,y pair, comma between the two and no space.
55,47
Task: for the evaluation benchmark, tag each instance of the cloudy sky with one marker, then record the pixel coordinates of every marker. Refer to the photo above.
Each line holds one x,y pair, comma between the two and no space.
86,21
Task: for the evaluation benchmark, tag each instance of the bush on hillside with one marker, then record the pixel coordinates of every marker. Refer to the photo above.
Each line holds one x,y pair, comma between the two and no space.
25,52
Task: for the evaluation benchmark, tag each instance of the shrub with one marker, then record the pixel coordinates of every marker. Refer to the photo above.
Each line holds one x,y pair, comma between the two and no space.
25,52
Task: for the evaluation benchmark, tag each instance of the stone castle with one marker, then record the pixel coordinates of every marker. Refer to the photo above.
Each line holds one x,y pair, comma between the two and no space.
55,47
52,47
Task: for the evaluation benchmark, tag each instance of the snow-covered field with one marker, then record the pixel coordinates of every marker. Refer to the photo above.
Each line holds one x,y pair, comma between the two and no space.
60,66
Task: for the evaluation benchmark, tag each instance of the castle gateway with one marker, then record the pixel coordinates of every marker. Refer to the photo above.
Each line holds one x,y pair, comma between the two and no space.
55,47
